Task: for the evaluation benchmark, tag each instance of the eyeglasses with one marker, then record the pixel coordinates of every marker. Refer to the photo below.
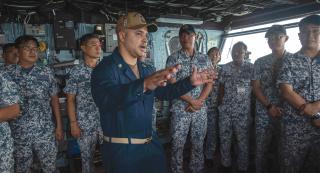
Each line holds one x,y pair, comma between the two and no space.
29,49
315,31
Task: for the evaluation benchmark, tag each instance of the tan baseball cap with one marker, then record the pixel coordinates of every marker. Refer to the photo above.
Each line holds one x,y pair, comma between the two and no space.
134,20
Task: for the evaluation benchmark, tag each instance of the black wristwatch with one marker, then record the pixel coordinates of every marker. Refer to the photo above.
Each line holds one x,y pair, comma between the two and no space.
316,116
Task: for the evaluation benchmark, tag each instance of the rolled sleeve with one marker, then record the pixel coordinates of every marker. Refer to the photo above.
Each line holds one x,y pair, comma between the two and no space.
53,88
257,71
285,75
71,84
8,92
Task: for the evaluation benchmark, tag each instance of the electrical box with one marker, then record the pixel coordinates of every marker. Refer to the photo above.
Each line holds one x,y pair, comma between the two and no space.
100,31
64,35
111,37
35,30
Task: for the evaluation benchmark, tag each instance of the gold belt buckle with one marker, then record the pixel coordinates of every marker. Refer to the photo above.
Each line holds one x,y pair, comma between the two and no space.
148,140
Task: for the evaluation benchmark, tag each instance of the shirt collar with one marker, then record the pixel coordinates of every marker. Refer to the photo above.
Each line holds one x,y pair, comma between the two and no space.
186,55
119,61
21,69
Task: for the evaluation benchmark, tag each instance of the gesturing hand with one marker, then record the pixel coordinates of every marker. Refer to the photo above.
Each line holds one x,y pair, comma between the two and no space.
201,77
160,77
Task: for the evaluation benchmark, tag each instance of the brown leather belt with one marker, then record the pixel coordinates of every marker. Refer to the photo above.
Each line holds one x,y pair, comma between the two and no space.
127,140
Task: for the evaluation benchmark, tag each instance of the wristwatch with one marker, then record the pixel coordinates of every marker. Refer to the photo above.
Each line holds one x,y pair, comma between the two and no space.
316,116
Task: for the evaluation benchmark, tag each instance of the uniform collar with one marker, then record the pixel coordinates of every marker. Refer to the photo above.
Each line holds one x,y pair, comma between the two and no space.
300,54
83,63
185,54
124,67
283,54
233,64
117,58
32,69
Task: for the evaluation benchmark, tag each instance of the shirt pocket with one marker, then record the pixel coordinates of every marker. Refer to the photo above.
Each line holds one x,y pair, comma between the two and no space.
39,89
85,83
266,72
300,83
202,64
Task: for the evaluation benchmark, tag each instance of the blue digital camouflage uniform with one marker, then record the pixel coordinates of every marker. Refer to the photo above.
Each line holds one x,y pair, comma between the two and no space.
182,121
213,115
266,70
126,112
298,136
2,67
87,113
8,96
33,132
234,112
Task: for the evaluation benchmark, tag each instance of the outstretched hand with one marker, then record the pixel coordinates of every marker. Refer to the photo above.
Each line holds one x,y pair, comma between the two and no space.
201,77
160,78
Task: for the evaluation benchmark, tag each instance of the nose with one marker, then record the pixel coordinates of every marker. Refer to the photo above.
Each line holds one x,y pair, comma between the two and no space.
98,47
33,50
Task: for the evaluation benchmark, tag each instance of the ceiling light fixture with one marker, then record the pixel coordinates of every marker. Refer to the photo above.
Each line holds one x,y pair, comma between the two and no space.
179,19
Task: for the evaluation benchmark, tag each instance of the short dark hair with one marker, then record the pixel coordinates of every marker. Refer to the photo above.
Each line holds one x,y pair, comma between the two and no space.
24,39
275,29
7,46
86,37
312,19
212,49
240,43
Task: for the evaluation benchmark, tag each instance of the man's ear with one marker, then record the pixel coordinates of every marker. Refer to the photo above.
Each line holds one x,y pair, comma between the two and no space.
122,36
287,38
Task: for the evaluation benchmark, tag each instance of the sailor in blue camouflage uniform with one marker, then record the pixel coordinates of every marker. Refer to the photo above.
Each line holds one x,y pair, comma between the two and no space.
9,109
268,103
190,111
212,104
299,81
234,111
34,132
83,112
